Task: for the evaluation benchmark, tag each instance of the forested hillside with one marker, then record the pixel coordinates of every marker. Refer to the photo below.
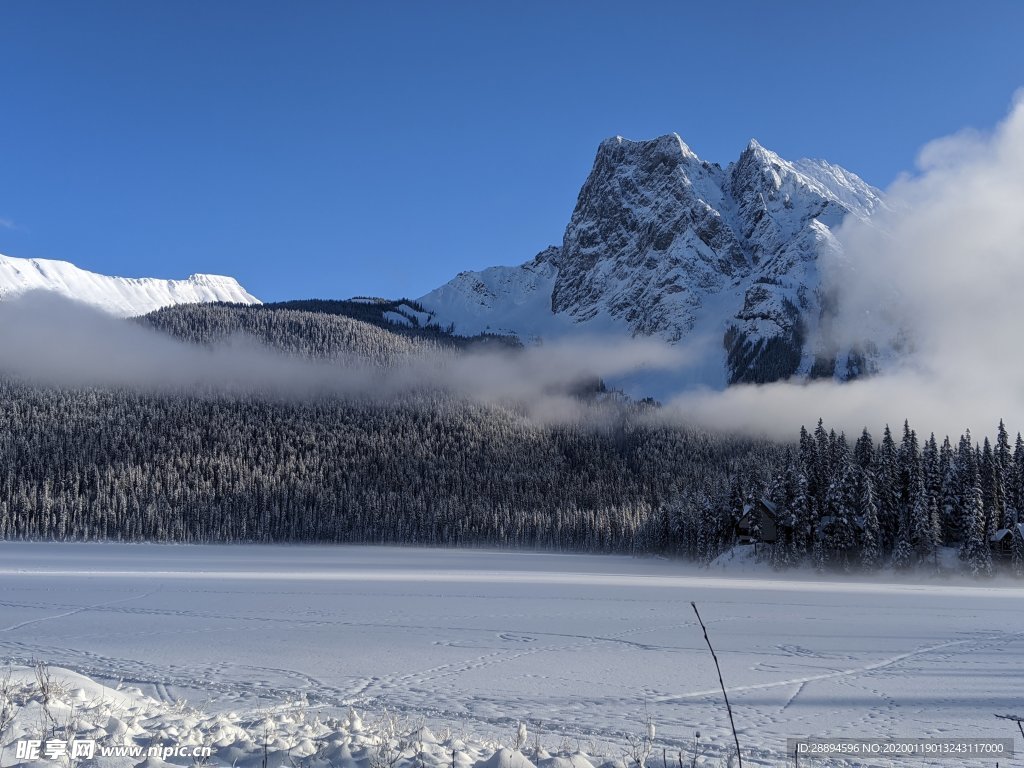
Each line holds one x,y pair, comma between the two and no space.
119,465
305,333
429,468
320,329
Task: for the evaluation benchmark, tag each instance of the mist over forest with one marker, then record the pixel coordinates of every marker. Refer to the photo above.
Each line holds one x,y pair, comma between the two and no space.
266,424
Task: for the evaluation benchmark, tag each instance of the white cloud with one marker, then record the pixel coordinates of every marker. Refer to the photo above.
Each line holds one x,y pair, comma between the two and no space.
945,262
47,338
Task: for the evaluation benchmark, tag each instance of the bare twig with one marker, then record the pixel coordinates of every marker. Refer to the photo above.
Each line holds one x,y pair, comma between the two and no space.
732,723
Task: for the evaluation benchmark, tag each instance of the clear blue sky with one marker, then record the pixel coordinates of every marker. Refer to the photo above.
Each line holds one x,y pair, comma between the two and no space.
337,148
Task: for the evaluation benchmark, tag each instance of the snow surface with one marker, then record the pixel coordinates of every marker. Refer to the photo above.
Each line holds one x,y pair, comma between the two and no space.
422,318
511,301
397,318
579,647
44,703
403,314
124,296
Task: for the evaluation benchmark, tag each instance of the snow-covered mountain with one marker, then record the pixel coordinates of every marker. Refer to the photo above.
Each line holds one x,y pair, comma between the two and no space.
125,296
664,244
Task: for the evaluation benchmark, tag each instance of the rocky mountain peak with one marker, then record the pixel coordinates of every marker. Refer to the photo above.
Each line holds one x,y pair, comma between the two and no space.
661,243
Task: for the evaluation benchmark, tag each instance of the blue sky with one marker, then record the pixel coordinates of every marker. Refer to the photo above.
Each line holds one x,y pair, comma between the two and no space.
337,148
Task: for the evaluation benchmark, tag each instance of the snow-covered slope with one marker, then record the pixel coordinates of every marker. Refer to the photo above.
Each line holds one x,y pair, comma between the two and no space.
503,300
664,244
126,296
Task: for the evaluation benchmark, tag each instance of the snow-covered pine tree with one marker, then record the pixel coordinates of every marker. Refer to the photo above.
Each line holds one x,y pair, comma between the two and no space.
819,474
1016,492
886,476
975,551
800,508
949,494
1004,471
781,490
839,535
966,471
910,472
864,450
870,554
707,529
839,453
902,554
931,468
991,490
737,498
923,533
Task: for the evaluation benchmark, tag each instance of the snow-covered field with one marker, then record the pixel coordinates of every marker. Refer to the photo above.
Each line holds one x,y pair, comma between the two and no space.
584,649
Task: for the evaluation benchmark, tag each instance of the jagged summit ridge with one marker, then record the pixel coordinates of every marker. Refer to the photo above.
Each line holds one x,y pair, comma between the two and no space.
124,296
662,243
668,143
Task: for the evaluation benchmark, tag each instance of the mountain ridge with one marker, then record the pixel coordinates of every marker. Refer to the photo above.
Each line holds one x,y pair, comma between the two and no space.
662,243
122,296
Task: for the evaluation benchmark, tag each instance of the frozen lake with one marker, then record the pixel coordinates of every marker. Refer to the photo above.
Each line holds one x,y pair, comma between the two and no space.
583,647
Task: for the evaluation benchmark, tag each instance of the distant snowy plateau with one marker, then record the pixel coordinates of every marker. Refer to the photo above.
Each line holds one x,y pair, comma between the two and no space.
666,245
124,296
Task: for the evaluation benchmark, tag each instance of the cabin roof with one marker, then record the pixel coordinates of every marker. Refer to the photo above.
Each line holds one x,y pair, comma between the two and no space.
765,507
1002,533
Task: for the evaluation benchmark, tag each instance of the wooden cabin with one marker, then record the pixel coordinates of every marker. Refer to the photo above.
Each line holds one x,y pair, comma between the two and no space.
1002,541
761,523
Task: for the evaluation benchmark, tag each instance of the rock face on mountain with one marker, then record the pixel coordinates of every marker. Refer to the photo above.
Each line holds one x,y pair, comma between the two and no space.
664,244
125,296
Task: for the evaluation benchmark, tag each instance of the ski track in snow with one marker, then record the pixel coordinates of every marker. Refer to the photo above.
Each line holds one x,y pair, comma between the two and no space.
71,612
581,647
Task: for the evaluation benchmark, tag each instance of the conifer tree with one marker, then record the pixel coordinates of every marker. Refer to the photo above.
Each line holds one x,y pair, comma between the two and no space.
803,516
864,451
975,550
886,476
1016,491
923,534
949,495
991,489
1004,477
839,529
870,554
966,473
902,554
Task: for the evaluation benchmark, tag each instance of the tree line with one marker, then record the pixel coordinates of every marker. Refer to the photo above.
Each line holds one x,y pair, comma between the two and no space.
91,464
127,465
898,503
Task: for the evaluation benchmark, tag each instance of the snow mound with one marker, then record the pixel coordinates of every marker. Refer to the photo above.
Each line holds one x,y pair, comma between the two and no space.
573,761
51,708
506,758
